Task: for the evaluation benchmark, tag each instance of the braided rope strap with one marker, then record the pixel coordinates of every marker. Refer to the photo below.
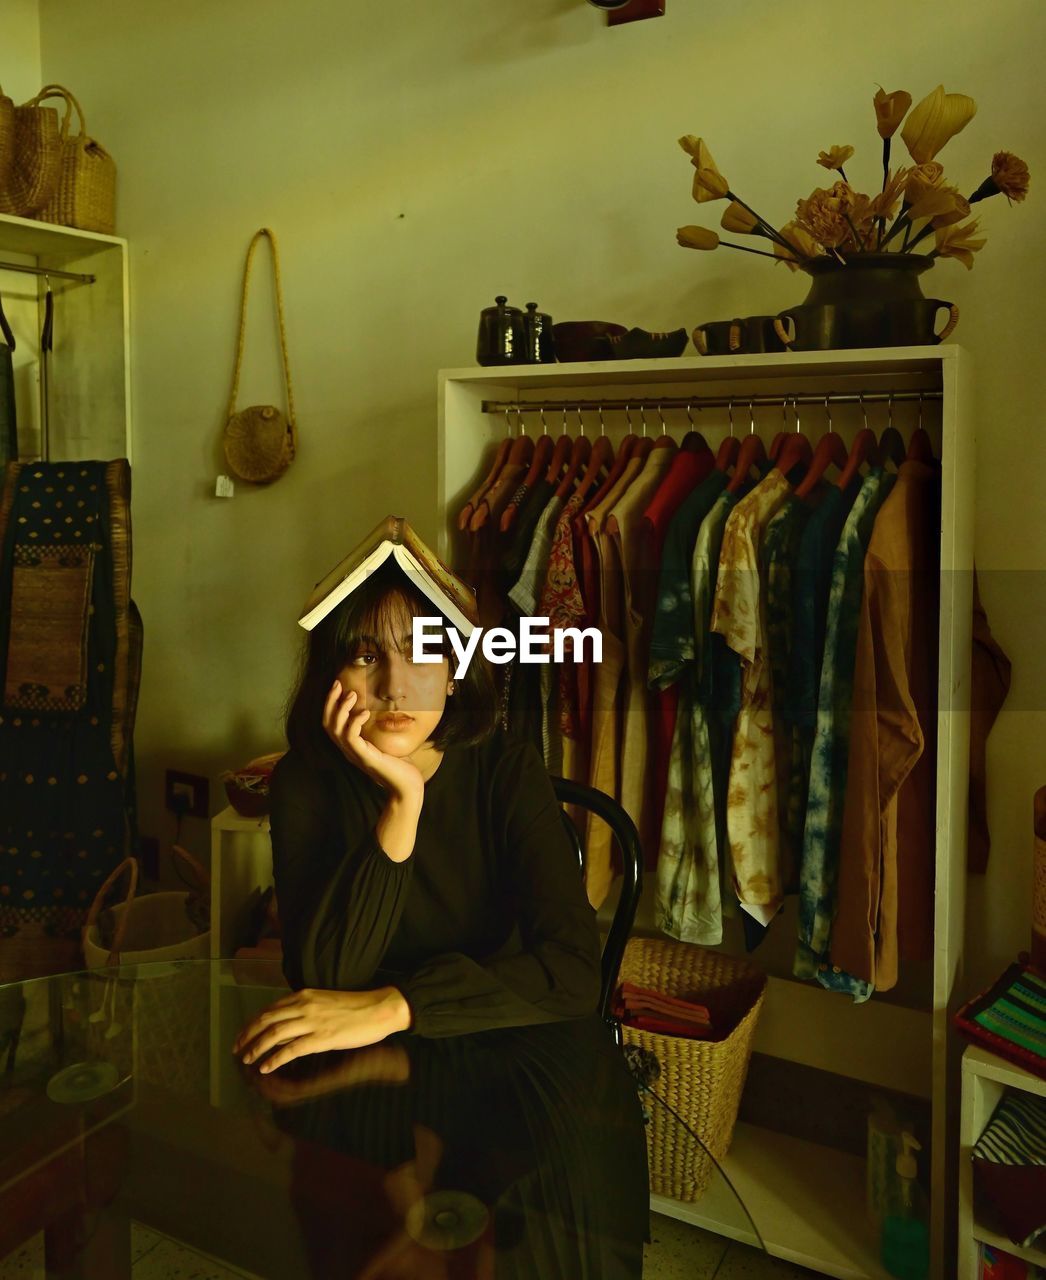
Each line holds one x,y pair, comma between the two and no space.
260,442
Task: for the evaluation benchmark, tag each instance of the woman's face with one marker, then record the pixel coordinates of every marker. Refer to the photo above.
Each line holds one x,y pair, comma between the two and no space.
405,698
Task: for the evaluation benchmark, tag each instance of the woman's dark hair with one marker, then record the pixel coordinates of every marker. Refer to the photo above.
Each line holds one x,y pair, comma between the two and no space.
469,716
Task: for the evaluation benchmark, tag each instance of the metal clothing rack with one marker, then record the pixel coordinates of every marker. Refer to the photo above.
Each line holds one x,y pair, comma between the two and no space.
78,276
660,403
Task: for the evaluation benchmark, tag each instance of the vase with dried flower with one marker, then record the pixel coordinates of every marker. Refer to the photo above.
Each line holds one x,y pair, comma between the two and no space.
860,250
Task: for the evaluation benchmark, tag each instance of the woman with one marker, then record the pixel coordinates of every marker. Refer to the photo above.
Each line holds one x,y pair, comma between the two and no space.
426,885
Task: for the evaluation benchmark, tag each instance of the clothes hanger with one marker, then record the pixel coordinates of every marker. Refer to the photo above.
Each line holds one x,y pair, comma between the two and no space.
519,456
891,443
865,449
728,450
601,456
693,441
561,453
664,440
542,455
645,443
830,452
920,447
580,453
621,457
751,453
466,512
796,450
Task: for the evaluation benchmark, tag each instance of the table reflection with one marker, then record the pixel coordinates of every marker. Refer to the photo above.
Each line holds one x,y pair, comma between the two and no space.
484,1156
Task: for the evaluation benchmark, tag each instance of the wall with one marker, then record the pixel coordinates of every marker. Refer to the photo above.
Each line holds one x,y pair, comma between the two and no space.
20,52
417,159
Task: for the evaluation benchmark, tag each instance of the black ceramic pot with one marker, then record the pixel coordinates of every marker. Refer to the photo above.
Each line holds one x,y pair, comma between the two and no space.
874,300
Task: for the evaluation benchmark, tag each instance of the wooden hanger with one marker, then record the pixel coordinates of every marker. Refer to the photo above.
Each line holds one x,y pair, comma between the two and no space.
796,449
728,450
778,443
752,452
500,458
693,441
865,449
830,452
664,440
602,455
920,447
621,457
579,455
543,451
518,456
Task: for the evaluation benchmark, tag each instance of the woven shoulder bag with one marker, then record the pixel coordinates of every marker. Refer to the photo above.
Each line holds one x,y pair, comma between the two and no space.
35,158
260,441
85,192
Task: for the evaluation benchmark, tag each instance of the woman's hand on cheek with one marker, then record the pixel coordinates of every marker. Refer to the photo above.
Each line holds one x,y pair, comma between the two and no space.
313,1021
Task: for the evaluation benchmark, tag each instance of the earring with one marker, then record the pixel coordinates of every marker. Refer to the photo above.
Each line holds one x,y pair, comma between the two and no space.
450,688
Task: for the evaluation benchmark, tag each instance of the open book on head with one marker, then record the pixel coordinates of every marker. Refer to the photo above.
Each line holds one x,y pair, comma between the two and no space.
394,537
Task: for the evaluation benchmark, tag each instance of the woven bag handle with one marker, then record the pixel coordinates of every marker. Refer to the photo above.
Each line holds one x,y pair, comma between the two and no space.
128,864
56,91
197,867
71,101
265,231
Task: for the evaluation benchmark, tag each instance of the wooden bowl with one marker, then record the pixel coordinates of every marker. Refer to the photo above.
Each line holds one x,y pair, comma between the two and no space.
585,339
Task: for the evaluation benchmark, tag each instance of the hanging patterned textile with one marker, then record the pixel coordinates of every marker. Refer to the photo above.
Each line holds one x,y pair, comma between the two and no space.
70,664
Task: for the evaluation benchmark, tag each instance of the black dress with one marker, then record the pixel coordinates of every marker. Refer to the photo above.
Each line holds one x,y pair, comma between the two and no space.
487,930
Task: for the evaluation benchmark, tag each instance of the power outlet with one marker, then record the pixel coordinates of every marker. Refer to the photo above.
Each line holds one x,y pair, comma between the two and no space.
187,794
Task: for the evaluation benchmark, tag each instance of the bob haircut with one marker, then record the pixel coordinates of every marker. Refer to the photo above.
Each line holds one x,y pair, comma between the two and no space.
470,714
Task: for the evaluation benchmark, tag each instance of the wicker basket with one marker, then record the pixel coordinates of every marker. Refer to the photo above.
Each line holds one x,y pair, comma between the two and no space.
36,159
85,193
702,1080
7,138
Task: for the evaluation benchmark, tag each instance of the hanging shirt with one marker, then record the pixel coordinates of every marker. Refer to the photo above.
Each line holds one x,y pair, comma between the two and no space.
739,615
688,903
689,467
780,551
890,790
625,524
827,785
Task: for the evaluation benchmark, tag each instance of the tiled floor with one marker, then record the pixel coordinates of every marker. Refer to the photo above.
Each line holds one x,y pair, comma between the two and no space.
676,1252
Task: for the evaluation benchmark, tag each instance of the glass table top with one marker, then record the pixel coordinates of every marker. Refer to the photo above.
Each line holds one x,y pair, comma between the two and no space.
473,1156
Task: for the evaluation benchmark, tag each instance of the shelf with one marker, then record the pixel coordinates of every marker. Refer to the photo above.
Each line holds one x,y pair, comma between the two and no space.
982,1062
58,244
878,361
985,1235
807,1202
229,820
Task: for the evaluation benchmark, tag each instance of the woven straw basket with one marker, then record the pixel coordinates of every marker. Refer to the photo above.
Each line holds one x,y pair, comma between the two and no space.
85,193
35,157
702,1080
157,1023
7,139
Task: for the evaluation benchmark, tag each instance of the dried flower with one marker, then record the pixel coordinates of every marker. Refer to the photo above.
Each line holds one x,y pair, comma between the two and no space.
803,241
697,238
740,220
930,174
935,202
884,205
823,214
709,183
958,242
960,210
1009,176
835,158
935,120
890,110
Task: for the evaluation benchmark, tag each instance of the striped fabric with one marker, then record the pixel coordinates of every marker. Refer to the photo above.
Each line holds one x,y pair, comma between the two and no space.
1016,1133
1018,1014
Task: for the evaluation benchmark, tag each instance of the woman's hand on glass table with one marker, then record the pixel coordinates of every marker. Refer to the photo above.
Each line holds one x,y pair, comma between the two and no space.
315,1021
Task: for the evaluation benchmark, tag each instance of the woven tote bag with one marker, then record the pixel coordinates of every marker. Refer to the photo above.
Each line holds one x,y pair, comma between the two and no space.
36,159
7,140
260,442
85,192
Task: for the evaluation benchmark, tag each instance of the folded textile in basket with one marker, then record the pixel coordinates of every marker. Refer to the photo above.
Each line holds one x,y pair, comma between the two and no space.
1009,1161
650,1010
1010,1017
